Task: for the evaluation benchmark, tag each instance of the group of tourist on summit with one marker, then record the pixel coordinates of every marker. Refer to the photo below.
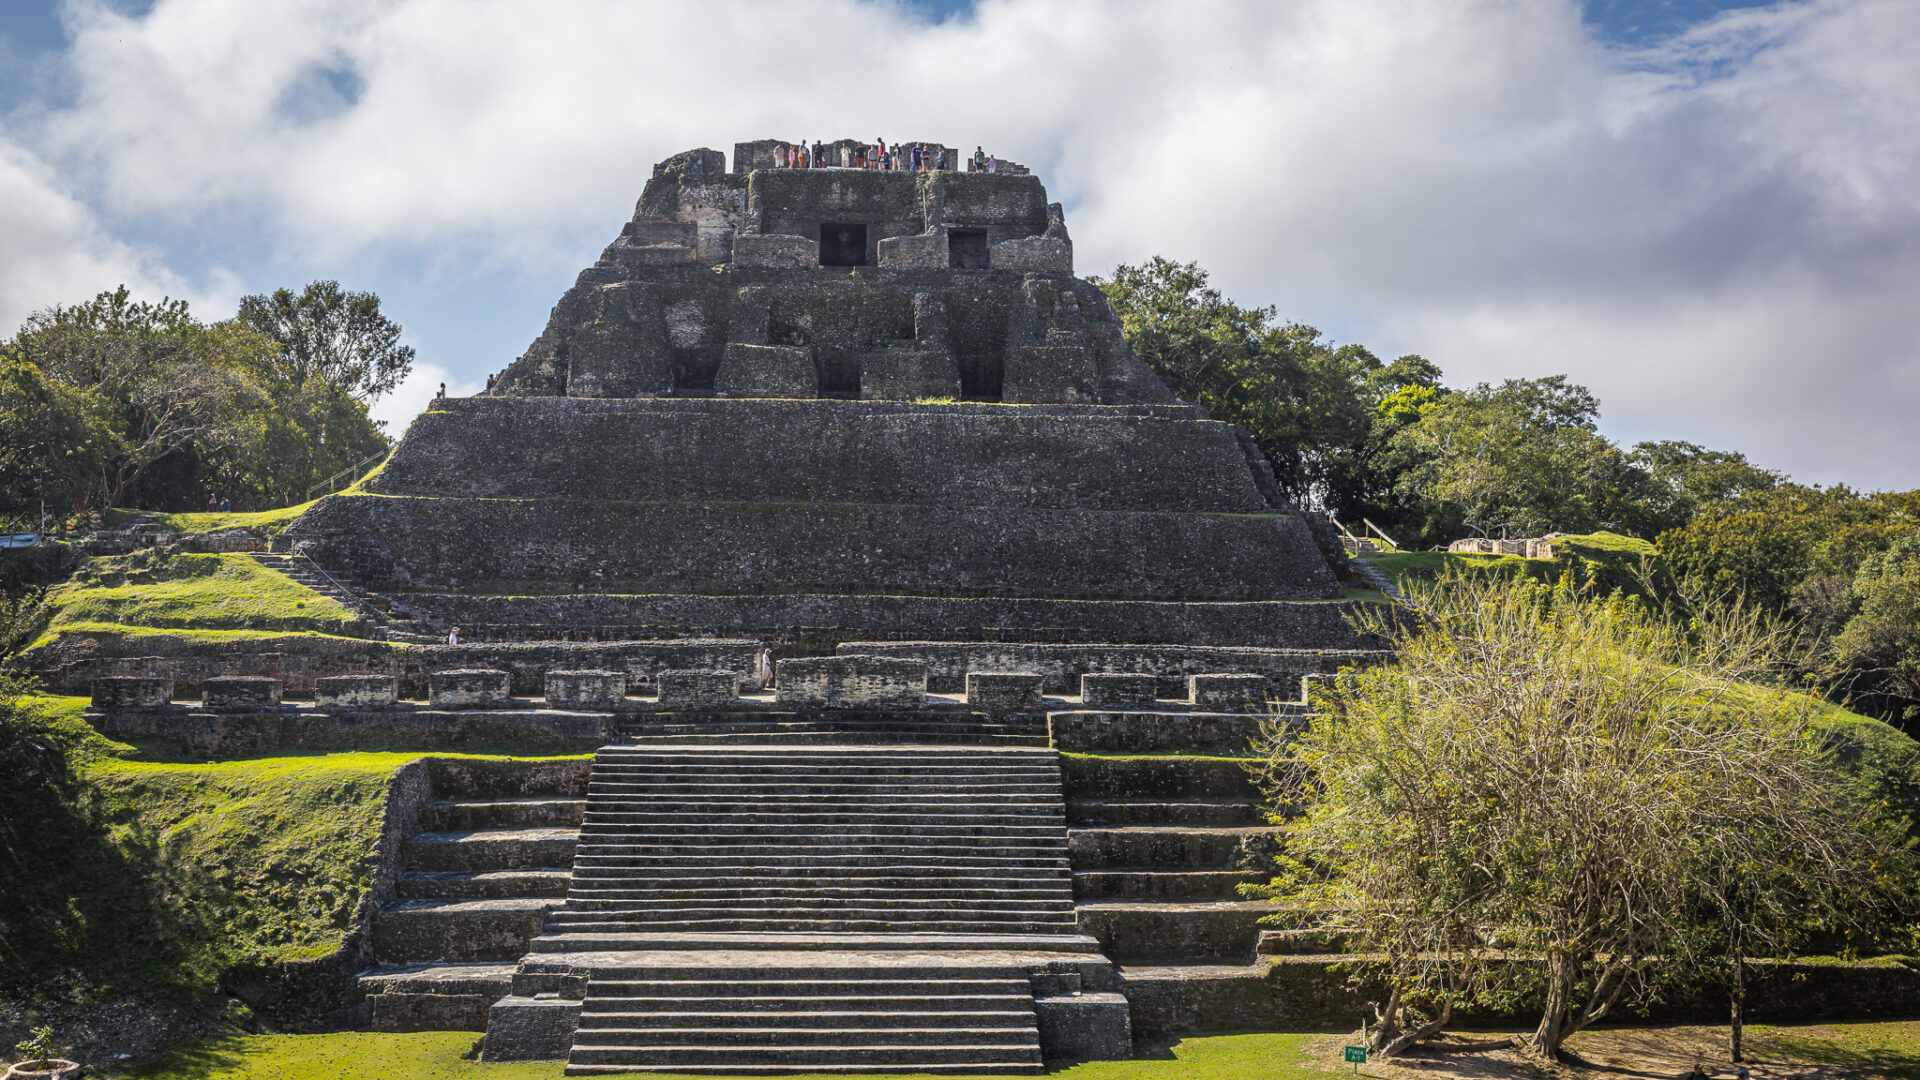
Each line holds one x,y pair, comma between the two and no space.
877,155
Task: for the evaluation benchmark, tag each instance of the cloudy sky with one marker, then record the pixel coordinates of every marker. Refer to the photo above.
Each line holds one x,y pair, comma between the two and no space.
1706,210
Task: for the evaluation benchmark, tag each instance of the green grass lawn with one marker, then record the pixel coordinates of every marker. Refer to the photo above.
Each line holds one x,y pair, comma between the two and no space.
199,521
1888,1049
200,594
437,1055
160,877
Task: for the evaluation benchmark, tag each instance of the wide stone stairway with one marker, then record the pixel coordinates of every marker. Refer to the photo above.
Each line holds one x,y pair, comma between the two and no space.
797,906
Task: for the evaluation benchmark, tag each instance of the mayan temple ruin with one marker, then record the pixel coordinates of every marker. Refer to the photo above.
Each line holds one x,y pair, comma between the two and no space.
1024,607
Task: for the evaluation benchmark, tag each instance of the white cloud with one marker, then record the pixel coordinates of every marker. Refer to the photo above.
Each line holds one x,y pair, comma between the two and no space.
1718,233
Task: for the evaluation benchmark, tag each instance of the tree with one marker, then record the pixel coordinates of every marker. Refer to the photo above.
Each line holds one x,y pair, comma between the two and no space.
181,389
1312,408
55,442
1554,797
328,333
1684,476
1883,639
1522,458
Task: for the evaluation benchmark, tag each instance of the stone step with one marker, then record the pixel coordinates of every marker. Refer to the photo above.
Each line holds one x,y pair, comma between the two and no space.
778,1031
791,760
801,816
423,997
779,826
613,881
1199,812
958,1068
465,815
1166,847
899,986
800,923
680,942
1094,778
411,931
890,1057
1145,931
490,849
455,885
1163,884
826,847
740,790
830,735
684,1002
868,900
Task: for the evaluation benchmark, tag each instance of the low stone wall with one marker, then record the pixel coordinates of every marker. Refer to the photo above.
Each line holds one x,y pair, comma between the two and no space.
467,688
527,663
899,619
355,692
585,689
127,692
241,693
1110,731
684,688
850,682
1003,690
222,735
1291,992
1062,666
70,663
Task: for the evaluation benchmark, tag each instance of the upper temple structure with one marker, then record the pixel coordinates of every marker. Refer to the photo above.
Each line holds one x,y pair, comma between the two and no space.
836,282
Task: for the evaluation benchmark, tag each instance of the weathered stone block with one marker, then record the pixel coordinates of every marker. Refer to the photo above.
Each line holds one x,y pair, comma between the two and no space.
767,371
698,687
1085,1027
1038,254
132,692
586,689
466,689
1109,689
1230,692
1050,374
845,681
925,251
530,1029
772,249
908,375
237,692
1003,689
356,691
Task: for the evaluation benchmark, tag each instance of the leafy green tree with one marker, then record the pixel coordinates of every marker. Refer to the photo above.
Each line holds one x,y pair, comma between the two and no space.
182,390
1882,641
1315,410
1522,458
329,333
55,442
1684,476
1766,545
1553,798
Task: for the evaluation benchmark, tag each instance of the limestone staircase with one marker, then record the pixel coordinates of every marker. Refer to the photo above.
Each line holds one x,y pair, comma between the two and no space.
474,890
767,907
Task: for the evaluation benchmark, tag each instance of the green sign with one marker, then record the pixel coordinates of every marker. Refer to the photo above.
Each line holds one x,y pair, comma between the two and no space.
1356,1054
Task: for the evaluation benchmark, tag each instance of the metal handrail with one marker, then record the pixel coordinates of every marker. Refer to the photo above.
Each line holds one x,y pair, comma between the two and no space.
332,484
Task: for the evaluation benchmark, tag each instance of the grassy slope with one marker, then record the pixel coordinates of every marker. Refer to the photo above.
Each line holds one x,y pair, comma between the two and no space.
1882,1049
159,876
273,520
202,594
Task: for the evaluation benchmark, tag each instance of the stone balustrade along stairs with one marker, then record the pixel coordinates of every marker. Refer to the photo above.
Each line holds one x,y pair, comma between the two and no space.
796,906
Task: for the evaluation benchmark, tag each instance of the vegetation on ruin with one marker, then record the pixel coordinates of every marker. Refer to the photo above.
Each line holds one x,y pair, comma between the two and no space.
195,521
210,866
1557,800
155,591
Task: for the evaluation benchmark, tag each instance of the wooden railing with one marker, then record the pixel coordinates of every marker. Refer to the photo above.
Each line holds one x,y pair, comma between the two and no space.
344,477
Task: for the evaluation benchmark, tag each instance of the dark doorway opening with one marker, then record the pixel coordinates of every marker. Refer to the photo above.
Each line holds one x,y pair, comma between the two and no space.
843,245
967,249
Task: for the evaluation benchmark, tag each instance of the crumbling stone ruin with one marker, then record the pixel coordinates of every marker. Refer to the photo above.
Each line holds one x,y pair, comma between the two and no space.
871,422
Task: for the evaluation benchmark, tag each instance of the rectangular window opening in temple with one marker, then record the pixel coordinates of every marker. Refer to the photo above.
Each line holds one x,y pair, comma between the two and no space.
843,245
967,249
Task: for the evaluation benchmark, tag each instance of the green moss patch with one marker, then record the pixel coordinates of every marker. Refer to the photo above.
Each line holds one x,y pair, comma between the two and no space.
149,591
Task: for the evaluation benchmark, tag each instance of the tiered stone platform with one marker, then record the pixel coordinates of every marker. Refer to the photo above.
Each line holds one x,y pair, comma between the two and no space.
1028,609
